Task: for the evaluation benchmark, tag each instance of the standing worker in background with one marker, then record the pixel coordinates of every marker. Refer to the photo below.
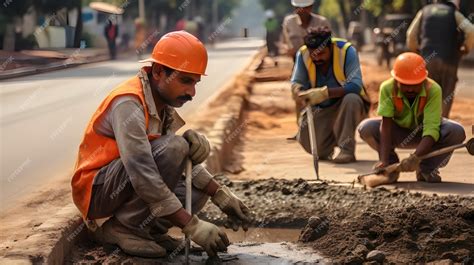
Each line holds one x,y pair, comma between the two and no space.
111,32
295,28
410,106
271,26
327,75
140,32
435,33
130,163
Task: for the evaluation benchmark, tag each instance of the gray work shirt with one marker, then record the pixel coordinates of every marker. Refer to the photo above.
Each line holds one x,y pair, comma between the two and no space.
124,120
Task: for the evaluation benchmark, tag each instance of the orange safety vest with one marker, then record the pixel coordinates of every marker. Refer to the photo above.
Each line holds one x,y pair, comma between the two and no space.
398,101
96,150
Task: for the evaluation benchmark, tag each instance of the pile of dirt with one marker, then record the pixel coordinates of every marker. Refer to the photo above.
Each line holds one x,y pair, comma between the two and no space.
417,233
345,223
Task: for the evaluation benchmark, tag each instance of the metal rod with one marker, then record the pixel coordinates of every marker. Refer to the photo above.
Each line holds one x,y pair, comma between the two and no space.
312,139
188,203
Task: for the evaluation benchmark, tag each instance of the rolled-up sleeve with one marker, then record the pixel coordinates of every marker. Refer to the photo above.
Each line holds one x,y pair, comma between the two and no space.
353,73
432,113
128,123
300,74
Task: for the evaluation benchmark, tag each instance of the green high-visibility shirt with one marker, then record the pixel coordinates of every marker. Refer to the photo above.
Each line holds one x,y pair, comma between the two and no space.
409,117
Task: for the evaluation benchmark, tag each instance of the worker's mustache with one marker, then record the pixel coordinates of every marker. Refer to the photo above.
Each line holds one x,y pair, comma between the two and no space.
185,98
319,62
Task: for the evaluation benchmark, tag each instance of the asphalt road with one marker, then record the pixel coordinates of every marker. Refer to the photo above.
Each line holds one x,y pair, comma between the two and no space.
43,117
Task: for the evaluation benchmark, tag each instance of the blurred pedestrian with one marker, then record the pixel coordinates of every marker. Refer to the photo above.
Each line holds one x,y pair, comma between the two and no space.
271,26
140,32
442,35
111,32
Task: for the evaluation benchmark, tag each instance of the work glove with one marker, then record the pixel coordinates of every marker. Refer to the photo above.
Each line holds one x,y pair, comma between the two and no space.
410,163
199,147
314,96
206,235
237,212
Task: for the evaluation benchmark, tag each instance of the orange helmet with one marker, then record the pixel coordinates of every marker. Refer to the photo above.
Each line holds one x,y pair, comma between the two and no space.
180,50
409,69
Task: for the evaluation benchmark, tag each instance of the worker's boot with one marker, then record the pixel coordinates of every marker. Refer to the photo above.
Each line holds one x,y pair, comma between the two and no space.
432,176
344,157
112,232
169,243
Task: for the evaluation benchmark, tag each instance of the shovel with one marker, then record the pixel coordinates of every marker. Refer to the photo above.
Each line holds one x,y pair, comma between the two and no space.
312,139
393,167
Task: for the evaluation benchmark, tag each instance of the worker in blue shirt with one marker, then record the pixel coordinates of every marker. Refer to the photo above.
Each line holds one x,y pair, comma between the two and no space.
327,75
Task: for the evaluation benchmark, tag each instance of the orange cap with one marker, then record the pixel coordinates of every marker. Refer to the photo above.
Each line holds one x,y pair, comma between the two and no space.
409,69
180,50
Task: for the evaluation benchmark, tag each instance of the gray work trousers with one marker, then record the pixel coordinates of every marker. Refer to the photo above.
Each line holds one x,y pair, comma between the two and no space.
334,126
446,75
451,133
117,197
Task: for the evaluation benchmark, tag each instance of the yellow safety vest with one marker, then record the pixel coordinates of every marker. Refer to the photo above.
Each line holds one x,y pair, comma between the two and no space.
340,47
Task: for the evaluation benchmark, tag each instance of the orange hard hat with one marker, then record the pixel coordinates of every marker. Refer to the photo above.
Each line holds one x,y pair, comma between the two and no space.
409,69
181,51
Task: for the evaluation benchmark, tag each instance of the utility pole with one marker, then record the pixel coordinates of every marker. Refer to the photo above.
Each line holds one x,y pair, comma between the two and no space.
214,15
141,9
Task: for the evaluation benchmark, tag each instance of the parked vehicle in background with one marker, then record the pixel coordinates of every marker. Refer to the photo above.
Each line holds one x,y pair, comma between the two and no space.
390,37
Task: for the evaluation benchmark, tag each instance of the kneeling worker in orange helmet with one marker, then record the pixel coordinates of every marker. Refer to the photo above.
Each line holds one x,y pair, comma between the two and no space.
130,163
410,106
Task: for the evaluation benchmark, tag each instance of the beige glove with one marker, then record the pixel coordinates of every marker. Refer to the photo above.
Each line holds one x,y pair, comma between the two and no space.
295,89
206,235
238,213
199,147
314,95
409,164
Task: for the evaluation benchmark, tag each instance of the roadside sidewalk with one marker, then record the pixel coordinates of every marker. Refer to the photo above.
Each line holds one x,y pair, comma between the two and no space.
28,62
264,152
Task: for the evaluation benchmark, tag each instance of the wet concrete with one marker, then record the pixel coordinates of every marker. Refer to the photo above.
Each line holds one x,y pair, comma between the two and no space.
237,254
258,245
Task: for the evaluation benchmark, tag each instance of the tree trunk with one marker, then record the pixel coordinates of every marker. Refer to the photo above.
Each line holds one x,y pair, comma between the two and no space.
78,31
345,16
9,38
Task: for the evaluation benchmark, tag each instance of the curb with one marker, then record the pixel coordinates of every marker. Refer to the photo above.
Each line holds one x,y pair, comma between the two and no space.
27,71
54,239
224,134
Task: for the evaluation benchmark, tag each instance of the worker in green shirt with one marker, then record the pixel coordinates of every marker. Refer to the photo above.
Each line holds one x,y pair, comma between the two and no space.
273,33
411,105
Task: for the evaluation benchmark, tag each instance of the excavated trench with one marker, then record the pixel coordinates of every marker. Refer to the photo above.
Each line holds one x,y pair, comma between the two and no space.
300,222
